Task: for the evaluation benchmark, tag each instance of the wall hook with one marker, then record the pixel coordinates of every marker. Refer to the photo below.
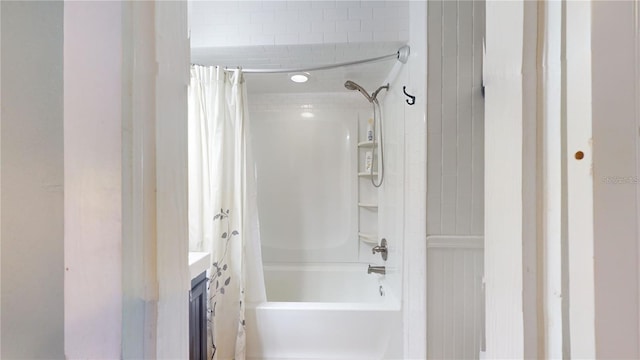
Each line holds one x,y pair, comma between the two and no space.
412,99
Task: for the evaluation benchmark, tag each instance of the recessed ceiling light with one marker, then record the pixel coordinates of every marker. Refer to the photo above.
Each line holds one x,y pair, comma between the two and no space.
299,77
307,114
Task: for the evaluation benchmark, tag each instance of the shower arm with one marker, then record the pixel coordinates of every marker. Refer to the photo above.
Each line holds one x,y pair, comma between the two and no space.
374,95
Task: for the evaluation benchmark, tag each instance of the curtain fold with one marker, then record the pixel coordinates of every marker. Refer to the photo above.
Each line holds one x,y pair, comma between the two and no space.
223,217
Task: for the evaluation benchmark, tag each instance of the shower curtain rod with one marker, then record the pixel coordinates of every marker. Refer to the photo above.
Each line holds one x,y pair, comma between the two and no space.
401,55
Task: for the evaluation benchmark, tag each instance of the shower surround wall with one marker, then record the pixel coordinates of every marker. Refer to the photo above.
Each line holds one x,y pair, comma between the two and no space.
455,180
317,159
306,167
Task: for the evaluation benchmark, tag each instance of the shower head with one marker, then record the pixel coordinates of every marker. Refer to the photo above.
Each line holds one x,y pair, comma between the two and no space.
350,85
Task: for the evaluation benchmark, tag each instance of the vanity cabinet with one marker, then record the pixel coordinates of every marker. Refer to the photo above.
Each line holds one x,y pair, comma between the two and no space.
198,318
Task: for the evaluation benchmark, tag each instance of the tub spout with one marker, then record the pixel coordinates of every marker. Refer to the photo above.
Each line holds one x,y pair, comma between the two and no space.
376,269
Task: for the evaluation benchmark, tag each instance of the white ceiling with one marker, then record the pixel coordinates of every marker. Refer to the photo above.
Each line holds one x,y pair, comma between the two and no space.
370,75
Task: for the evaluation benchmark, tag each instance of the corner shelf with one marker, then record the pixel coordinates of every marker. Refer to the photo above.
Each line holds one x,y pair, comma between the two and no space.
368,206
368,238
365,144
367,196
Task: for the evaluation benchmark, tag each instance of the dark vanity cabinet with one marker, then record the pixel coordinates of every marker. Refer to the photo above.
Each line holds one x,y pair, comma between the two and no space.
198,318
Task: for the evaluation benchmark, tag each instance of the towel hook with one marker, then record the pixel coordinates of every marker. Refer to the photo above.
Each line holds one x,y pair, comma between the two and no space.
412,99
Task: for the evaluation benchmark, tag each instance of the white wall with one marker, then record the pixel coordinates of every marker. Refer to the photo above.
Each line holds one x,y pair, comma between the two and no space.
139,283
267,22
93,192
507,119
172,229
39,319
616,117
415,191
551,159
455,179
579,178
32,180
105,96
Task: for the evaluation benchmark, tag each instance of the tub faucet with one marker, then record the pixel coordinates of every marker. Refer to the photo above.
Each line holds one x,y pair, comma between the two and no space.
376,269
382,249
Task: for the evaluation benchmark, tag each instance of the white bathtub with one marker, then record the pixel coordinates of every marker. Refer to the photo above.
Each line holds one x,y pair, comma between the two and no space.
322,312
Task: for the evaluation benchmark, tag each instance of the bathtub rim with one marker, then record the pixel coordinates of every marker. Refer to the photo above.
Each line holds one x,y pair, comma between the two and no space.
389,303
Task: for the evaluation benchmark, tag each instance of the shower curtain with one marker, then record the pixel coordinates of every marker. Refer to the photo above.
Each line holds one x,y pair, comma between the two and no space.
223,215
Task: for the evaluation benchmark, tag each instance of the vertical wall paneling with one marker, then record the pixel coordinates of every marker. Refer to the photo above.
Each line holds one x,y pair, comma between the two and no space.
454,275
455,179
449,117
455,125
32,162
464,117
637,88
434,117
1,178
530,179
477,121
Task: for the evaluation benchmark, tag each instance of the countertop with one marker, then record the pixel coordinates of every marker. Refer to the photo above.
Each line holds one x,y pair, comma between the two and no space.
198,262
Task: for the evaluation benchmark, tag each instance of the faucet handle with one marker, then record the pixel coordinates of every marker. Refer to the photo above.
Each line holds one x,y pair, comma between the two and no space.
382,249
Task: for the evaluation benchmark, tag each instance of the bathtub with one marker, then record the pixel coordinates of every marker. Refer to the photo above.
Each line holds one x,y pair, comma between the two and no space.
329,311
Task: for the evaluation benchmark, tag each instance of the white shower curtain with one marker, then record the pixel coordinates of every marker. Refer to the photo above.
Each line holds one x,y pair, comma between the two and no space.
223,215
